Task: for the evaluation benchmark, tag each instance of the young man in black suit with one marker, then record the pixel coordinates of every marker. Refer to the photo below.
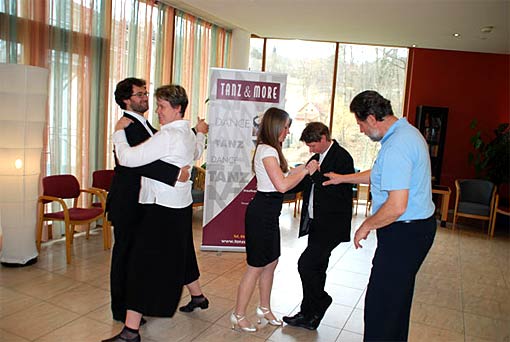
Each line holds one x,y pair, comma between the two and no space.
326,218
122,205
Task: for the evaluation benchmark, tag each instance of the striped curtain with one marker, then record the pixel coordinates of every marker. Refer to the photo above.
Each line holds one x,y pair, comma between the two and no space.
198,46
69,38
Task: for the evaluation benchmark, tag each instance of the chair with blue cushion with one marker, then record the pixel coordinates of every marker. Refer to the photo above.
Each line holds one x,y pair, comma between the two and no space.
475,199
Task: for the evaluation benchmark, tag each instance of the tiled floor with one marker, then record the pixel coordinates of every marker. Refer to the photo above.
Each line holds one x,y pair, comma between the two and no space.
462,293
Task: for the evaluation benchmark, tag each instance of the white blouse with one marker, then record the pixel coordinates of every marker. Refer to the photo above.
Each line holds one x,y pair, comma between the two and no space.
175,144
264,183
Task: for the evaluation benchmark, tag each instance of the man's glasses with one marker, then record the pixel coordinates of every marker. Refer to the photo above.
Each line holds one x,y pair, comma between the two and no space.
141,94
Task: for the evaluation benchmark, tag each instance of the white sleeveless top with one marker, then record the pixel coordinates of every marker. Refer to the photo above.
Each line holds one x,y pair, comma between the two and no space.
264,183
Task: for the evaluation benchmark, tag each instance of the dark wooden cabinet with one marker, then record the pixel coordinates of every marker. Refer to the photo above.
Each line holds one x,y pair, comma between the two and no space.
431,121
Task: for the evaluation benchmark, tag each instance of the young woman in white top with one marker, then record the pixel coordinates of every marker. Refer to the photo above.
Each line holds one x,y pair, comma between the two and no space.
262,215
163,256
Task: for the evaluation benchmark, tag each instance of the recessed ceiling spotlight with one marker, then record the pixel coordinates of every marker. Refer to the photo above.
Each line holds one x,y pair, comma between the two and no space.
487,29
414,45
456,35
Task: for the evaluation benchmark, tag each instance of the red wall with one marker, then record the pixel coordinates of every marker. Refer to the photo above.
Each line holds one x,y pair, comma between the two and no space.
472,85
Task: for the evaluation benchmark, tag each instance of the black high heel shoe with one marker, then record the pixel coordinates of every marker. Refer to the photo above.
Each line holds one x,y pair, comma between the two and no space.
202,303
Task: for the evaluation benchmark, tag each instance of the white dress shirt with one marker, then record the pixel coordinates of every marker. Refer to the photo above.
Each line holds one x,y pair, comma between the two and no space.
175,144
142,120
310,201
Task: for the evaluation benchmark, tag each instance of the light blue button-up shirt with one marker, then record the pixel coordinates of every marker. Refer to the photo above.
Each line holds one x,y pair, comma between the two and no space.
403,163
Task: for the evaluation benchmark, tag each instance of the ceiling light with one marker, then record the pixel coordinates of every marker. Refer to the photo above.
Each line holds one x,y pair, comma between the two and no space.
414,45
456,35
487,29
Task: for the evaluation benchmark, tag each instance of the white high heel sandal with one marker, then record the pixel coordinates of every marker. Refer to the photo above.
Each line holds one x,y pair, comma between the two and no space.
235,319
261,314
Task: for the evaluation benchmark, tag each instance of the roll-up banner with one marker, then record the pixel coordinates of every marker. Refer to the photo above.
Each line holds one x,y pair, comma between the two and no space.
237,101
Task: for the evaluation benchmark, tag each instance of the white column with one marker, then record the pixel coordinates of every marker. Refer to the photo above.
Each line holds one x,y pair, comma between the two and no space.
23,95
240,49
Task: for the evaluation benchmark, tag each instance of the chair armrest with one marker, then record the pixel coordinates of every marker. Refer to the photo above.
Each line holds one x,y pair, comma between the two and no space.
48,199
100,193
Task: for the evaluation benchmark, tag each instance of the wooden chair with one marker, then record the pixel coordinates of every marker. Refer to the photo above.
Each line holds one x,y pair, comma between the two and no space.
198,189
294,198
57,189
475,199
498,210
362,194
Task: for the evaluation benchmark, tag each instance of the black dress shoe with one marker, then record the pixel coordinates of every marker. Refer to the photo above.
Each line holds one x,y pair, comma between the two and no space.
119,338
300,320
291,320
193,304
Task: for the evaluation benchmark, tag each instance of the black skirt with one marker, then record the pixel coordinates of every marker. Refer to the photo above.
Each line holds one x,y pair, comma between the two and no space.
262,228
158,264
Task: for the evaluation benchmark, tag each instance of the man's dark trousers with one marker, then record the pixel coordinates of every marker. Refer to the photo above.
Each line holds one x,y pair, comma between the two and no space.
401,249
313,264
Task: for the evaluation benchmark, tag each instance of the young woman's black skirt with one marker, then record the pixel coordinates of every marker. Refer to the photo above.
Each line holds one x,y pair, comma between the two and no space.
263,228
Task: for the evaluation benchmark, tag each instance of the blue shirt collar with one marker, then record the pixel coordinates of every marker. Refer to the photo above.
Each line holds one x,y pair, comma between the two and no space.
398,123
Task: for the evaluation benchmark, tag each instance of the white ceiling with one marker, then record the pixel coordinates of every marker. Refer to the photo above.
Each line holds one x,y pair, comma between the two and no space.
426,23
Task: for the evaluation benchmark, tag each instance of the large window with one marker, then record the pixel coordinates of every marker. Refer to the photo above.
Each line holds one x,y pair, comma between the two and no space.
360,68
256,52
310,68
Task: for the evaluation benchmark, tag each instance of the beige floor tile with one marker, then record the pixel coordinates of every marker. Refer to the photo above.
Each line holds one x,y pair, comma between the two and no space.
217,265
446,298
355,265
464,270
12,301
8,337
82,299
477,339
427,280
222,287
177,328
423,333
347,336
36,321
217,333
82,270
80,330
324,333
355,322
492,308
12,276
437,317
487,328
104,315
348,278
336,316
47,286
103,282
343,295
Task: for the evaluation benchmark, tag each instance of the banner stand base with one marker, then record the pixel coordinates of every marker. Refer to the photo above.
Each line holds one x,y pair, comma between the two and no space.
222,249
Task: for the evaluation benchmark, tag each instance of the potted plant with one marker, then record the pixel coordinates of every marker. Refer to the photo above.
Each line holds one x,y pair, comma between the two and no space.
491,155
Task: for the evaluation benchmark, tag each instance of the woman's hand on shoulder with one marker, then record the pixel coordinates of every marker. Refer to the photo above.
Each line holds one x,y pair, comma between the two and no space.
122,123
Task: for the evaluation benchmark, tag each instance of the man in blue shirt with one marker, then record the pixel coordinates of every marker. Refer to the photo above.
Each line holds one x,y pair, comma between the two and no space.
403,211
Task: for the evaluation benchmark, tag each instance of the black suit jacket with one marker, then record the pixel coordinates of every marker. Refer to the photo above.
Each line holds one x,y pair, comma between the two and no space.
331,202
122,202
